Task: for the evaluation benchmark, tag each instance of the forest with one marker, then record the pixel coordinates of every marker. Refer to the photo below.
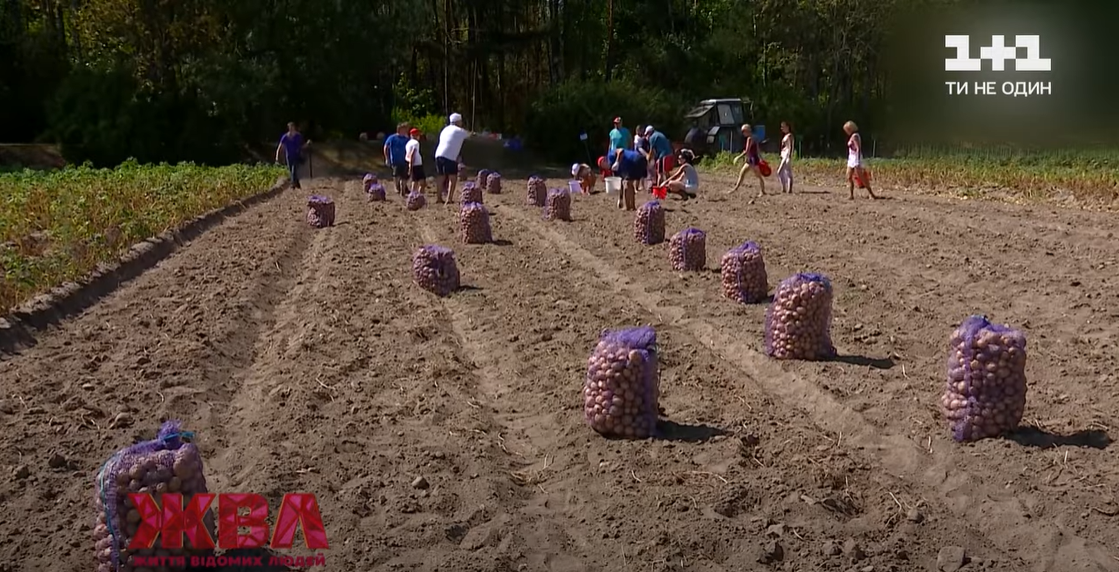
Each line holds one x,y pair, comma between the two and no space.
195,79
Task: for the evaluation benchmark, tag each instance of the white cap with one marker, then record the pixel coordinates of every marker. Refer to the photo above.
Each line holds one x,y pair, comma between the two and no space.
575,170
456,118
649,130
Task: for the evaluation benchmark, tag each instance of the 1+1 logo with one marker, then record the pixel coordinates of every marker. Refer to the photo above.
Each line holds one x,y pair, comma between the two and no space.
998,53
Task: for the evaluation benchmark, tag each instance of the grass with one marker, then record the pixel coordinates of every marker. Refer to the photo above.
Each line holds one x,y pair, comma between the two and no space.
58,226
1089,177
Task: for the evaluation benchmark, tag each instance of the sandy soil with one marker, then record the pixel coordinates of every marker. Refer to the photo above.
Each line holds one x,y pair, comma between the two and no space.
307,361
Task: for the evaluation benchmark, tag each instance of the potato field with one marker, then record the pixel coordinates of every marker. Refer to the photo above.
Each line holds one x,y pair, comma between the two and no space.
455,432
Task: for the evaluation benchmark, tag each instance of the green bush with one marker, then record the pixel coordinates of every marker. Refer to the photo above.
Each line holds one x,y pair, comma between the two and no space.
430,124
558,117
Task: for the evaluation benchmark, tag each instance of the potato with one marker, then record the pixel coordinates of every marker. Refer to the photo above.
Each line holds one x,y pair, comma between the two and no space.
147,467
474,224
798,321
743,274
985,392
557,205
320,211
415,201
483,178
537,192
471,193
493,184
434,269
687,250
648,225
622,386
368,181
375,192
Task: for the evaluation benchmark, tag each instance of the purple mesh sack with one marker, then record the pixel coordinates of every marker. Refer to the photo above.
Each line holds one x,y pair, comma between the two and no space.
483,178
986,391
474,224
798,322
743,273
648,225
434,269
375,192
493,184
687,250
168,463
471,193
368,181
557,205
537,192
320,211
415,201
622,388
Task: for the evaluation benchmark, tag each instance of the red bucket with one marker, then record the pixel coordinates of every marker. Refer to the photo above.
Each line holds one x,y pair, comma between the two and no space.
660,192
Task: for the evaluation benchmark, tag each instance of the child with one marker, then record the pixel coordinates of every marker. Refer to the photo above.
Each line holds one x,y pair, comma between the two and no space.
685,181
585,176
415,161
785,169
753,160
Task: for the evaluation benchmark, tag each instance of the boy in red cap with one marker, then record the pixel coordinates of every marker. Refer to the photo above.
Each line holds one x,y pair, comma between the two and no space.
415,161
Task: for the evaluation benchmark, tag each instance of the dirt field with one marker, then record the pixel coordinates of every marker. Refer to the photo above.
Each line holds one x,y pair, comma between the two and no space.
307,361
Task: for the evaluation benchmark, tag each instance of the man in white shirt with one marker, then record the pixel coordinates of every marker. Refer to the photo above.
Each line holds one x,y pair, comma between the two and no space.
448,155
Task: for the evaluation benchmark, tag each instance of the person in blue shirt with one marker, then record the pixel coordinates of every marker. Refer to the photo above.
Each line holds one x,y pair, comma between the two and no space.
292,144
396,159
632,167
662,154
619,137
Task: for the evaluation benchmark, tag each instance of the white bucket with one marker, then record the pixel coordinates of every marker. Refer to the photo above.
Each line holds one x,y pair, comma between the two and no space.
574,188
613,185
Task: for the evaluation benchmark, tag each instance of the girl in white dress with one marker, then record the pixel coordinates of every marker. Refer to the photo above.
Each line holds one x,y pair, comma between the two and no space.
855,160
785,169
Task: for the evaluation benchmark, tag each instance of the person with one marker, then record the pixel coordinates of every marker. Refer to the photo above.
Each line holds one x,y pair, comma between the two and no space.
632,167
785,169
292,144
583,173
855,167
415,161
447,156
685,181
662,153
604,167
753,160
639,138
395,157
619,137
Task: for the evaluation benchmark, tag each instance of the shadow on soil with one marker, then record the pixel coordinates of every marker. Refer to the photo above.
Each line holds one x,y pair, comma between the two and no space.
672,431
500,242
882,363
469,288
1034,437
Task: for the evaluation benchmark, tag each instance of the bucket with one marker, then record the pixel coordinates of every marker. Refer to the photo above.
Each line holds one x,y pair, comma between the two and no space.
574,188
660,192
613,185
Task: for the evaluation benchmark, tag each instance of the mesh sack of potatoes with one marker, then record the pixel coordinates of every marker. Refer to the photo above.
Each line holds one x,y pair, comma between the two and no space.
648,225
483,178
320,211
743,273
687,250
986,391
170,463
471,193
493,184
798,322
434,269
537,192
557,205
622,387
368,181
474,224
375,192
415,201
